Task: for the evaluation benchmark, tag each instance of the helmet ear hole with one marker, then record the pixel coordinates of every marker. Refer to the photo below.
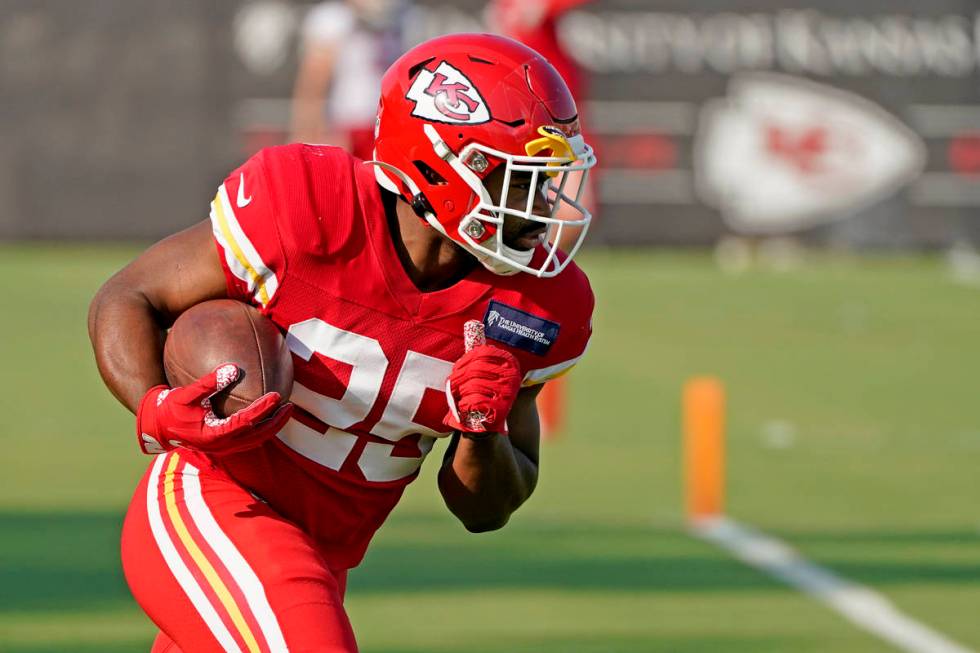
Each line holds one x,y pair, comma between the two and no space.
430,175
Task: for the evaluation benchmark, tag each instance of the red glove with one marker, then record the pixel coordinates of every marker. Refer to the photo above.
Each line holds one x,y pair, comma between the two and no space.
168,418
482,385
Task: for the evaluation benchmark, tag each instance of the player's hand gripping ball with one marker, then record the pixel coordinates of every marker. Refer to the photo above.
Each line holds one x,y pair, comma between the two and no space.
229,368
482,385
183,417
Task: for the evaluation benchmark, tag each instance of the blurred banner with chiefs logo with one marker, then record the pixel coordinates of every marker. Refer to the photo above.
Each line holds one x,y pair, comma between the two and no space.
846,123
854,123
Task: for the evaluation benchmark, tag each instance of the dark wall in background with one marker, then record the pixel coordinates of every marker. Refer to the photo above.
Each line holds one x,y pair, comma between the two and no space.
845,122
113,115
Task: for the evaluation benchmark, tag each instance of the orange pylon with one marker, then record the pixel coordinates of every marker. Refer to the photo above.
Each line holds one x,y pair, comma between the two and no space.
551,408
704,447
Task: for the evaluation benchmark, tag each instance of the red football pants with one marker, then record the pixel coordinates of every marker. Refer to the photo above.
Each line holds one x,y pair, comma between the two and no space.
218,570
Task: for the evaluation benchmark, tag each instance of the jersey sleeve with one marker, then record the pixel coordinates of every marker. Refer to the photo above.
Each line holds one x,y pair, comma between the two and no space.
544,374
244,225
537,376
574,333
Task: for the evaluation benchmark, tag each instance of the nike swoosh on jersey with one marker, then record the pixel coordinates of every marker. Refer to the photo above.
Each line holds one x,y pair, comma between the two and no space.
242,200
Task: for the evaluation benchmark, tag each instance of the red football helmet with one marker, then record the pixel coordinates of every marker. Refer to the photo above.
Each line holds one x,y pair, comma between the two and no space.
457,107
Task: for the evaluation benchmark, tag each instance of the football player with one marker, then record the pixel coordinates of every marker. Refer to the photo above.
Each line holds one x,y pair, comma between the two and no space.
240,535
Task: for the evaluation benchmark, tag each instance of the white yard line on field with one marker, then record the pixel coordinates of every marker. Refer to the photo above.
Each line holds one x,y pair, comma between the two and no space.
861,605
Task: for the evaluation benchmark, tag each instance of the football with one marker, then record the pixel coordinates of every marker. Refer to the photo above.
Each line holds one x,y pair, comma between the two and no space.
227,331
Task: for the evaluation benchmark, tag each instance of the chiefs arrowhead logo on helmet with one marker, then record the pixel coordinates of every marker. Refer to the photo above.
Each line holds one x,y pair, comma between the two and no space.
446,95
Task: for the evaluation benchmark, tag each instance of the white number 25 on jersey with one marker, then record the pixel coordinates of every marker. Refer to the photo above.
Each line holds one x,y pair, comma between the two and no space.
368,366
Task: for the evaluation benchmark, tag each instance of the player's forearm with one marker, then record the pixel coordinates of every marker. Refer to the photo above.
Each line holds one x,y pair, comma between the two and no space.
127,337
129,314
485,481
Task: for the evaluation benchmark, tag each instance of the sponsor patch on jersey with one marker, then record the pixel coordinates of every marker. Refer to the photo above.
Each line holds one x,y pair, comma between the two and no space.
518,329
447,95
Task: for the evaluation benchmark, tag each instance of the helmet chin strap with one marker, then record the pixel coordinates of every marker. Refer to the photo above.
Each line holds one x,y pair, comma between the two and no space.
498,266
385,182
520,256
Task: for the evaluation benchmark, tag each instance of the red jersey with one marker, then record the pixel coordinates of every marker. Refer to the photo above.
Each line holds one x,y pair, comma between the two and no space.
303,235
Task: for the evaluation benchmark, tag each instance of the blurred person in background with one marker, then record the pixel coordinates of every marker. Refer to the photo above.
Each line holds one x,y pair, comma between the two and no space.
426,287
535,24
346,46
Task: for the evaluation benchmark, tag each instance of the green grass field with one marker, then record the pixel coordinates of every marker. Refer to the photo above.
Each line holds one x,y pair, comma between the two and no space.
854,434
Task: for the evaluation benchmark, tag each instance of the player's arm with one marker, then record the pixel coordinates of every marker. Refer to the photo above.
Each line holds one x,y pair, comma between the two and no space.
127,322
130,313
486,476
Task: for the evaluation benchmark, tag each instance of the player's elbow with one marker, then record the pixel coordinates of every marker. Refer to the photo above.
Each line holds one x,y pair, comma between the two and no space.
109,296
486,525
102,298
490,517
479,518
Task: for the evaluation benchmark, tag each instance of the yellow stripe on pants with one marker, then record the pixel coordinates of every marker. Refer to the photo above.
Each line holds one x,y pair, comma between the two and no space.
202,562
